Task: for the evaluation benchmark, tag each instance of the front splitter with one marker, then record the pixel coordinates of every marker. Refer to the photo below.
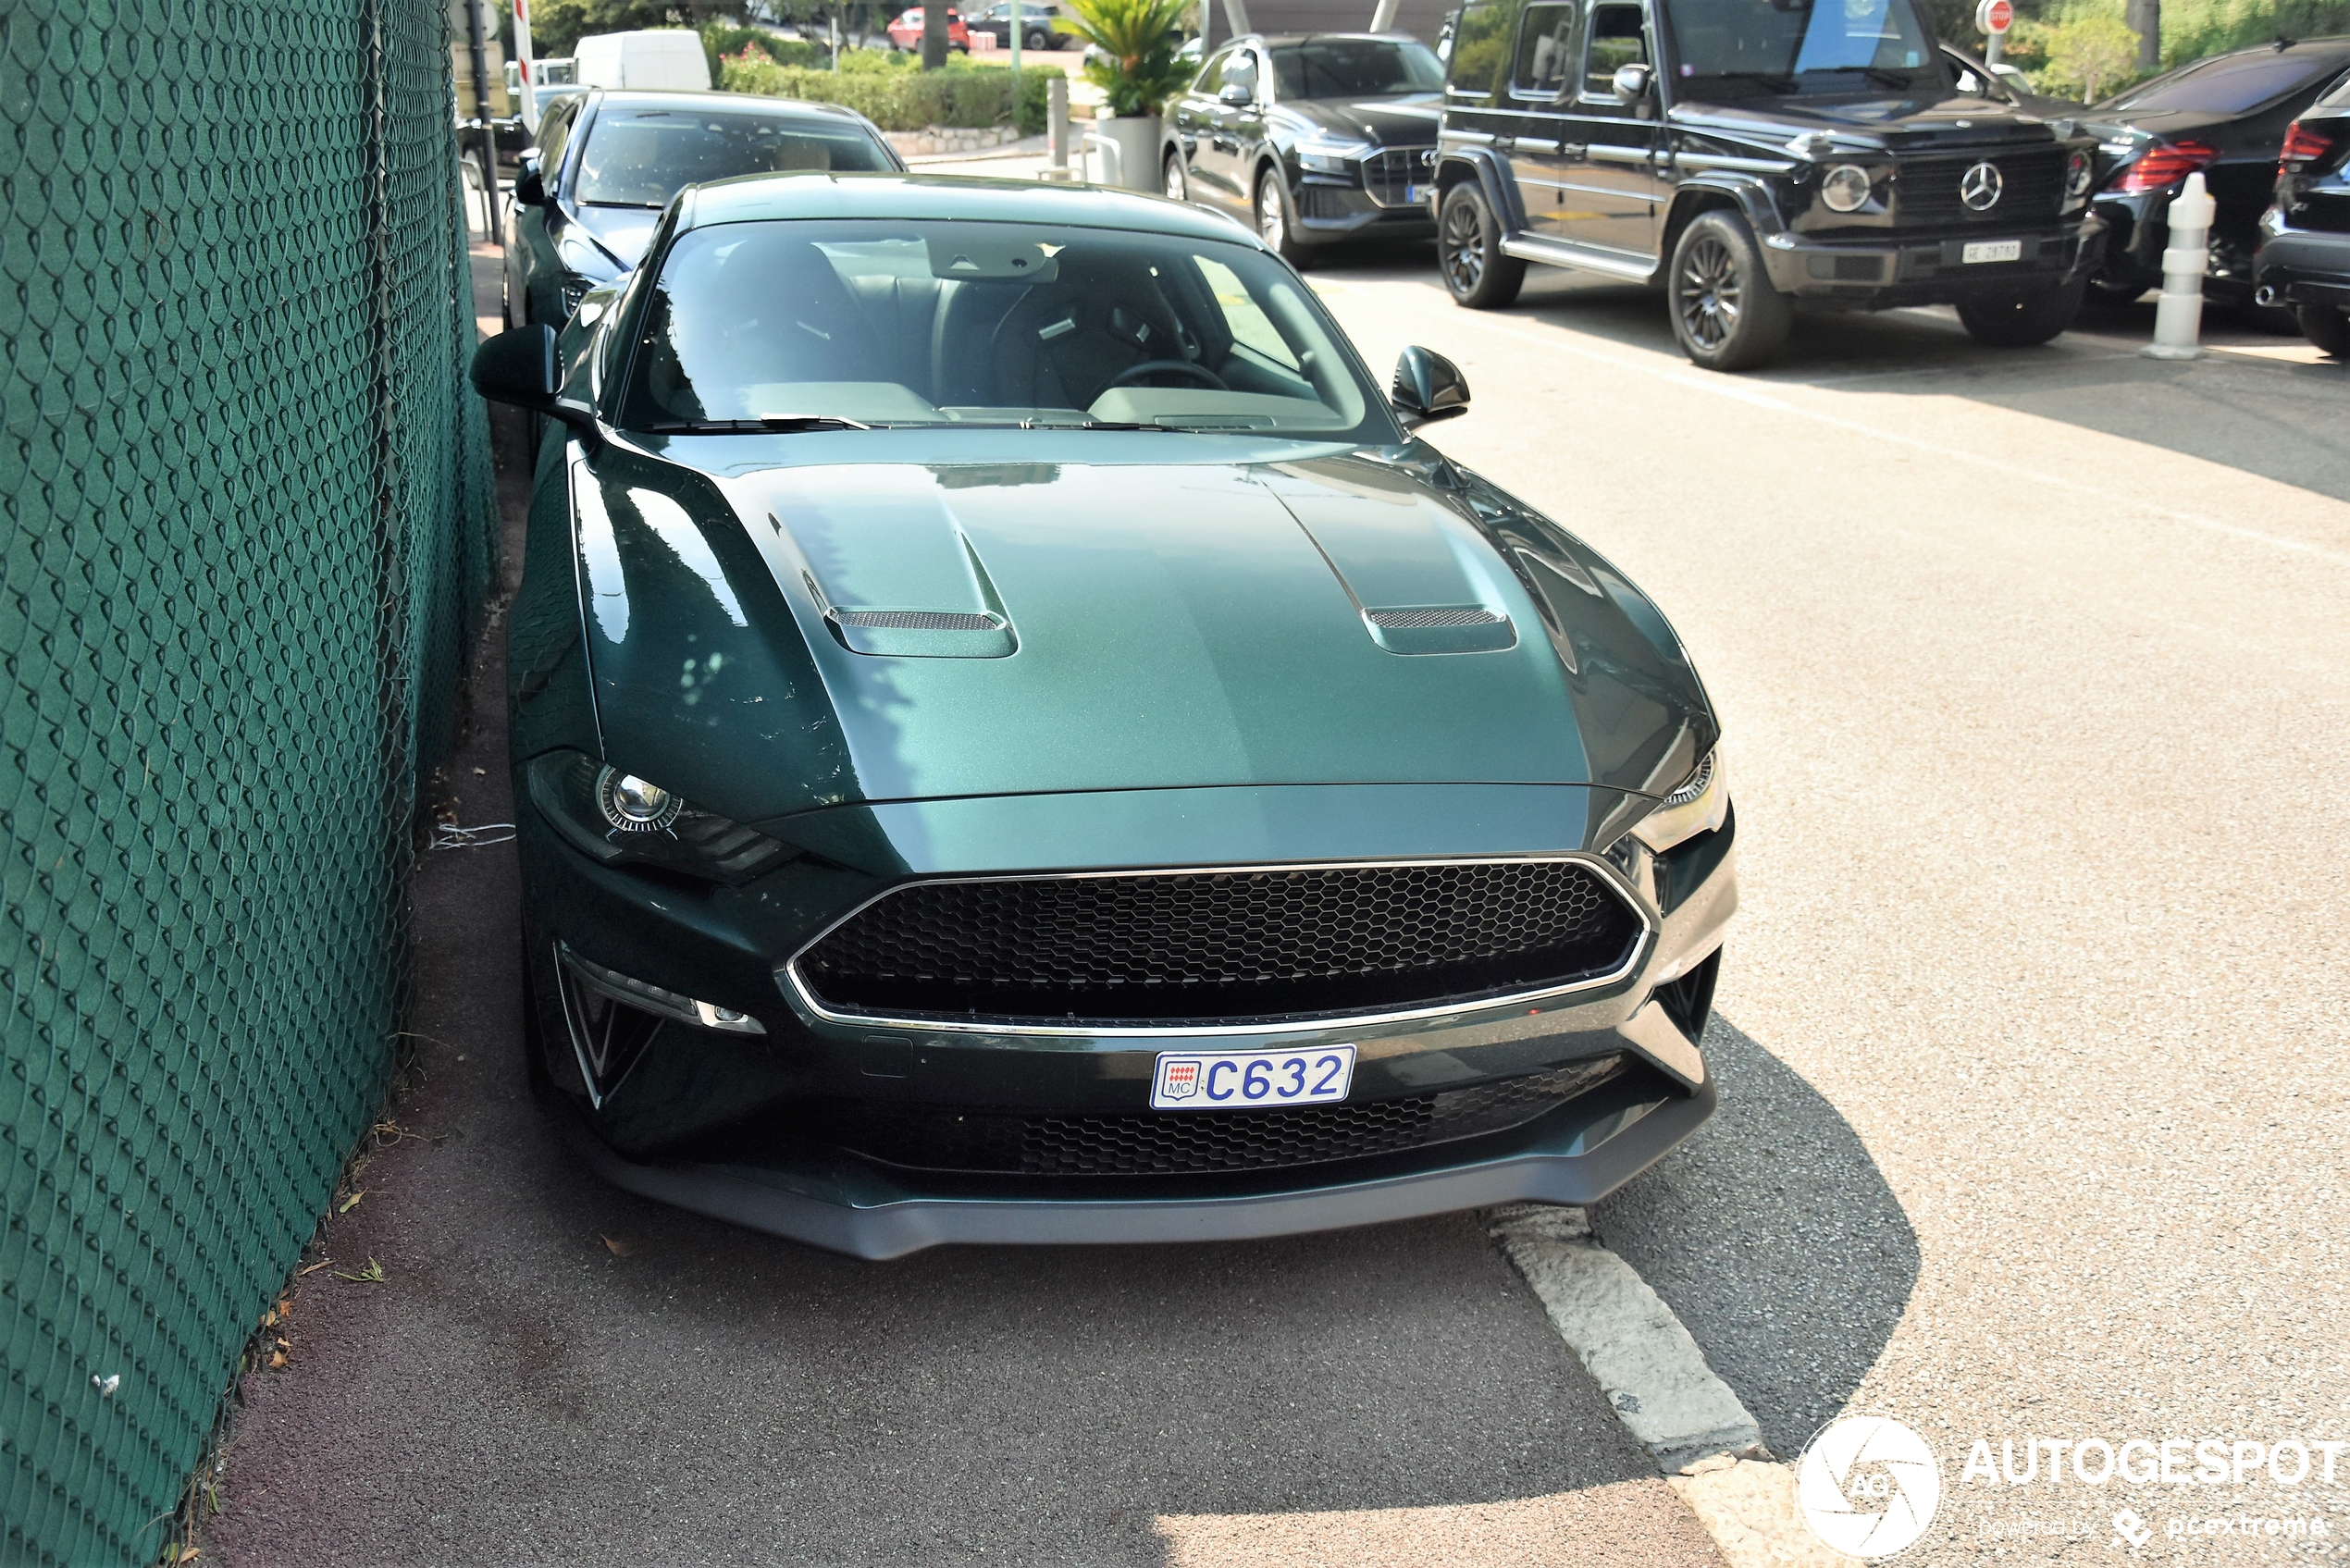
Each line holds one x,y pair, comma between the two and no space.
897,1227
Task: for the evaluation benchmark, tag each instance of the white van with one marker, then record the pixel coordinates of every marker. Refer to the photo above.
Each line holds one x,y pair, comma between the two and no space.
660,59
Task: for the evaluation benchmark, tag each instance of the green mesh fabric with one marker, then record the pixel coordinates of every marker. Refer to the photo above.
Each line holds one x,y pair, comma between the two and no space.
247,537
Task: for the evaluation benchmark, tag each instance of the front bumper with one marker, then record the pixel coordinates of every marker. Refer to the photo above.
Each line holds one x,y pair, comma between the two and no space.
753,1128
2305,268
1374,201
1932,270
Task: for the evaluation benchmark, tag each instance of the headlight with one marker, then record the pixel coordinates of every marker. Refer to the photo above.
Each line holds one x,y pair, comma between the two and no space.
614,816
1330,157
1845,189
1701,803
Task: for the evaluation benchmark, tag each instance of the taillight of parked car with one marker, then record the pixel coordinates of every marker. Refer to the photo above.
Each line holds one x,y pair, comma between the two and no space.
2164,164
2303,145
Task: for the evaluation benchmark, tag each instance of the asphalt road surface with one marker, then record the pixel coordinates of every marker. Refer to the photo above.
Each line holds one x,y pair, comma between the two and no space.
2033,667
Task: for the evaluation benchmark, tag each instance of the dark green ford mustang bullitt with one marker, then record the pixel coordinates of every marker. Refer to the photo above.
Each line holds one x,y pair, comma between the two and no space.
1015,741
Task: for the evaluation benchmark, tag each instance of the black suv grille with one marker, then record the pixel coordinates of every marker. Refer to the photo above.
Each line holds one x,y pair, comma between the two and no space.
1221,946
1390,175
1195,1143
2031,187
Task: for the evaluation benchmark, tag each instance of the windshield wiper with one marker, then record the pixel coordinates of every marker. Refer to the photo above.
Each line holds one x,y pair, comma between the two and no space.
1777,82
1877,74
785,424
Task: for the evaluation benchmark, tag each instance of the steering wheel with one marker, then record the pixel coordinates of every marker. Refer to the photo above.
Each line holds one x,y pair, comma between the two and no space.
1154,366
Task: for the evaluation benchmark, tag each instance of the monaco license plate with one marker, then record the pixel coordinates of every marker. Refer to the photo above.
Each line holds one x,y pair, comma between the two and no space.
1992,250
1227,1081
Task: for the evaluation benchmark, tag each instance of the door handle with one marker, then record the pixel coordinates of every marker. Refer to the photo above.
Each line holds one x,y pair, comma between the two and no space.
1573,149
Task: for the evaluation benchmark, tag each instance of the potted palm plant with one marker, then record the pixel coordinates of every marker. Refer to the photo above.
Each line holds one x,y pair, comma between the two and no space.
1134,63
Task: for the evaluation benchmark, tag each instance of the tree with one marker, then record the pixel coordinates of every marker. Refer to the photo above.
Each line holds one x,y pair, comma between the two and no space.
1138,39
2086,54
933,35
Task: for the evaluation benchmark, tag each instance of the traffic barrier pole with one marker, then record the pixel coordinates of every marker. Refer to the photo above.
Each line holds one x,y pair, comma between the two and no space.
523,62
2178,315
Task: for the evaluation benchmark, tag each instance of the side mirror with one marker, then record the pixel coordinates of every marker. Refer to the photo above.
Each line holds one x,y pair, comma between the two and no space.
529,190
1428,387
1237,95
519,367
1631,83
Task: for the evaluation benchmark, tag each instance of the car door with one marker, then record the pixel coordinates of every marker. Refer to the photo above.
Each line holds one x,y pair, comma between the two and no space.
1196,127
1612,186
1240,126
1542,74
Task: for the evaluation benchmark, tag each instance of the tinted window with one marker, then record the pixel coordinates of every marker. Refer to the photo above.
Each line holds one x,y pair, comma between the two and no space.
1347,68
642,158
1616,41
1211,73
2229,85
1781,38
1545,51
554,133
1240,70
928,322
2339,96
1478,66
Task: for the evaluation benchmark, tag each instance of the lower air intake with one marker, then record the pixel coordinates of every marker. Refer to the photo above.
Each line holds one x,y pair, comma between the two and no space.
1193,949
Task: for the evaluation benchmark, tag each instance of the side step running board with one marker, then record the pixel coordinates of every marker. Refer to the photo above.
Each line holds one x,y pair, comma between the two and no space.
1558,253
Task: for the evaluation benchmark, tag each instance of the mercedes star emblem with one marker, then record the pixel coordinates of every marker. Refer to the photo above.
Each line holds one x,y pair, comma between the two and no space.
1979,188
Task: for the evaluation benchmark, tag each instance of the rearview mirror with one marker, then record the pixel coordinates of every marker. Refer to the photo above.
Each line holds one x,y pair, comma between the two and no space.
1428,387
1237,95
1631,83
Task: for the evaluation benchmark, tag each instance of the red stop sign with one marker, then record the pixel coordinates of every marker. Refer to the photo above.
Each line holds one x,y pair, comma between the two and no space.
1996,15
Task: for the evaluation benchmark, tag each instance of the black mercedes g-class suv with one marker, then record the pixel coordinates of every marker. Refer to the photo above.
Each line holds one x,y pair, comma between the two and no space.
1747,155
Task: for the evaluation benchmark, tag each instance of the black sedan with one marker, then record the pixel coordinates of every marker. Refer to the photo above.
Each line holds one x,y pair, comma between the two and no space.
2304,264
1313,139
2225,116
608,162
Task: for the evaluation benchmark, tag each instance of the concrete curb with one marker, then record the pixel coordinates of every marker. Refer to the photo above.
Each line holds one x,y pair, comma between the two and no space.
1655,1378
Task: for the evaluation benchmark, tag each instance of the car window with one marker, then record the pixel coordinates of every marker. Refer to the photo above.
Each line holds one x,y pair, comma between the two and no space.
1210,73
642,158
2338,96
1478,66
1240,72
929,322
1733,38
554,135
1347,68
1616,41
1545,51
2229,85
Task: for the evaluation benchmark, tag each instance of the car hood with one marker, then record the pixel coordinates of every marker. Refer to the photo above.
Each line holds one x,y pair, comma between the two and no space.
1408,120
623,232
775,640
1904,124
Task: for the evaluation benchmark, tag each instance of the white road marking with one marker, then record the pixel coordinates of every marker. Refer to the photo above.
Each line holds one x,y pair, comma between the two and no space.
1657,1381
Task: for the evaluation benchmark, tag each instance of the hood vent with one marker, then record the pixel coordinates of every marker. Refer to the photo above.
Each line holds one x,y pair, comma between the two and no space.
918,634
1440,628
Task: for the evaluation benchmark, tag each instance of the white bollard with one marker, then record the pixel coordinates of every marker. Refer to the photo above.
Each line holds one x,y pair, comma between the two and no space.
2178,313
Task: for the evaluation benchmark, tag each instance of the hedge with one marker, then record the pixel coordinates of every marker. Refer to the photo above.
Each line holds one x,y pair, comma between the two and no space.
901,100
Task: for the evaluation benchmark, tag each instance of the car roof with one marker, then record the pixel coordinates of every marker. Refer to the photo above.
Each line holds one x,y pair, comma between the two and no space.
753,198
787,108
1317,37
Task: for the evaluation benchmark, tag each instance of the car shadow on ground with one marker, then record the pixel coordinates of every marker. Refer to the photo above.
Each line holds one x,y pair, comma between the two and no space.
2264,402
1774,1238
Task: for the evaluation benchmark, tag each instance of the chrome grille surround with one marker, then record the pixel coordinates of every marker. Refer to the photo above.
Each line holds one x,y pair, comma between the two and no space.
1389,173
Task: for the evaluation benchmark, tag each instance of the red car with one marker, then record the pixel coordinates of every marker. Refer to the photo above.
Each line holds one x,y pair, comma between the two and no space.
906,33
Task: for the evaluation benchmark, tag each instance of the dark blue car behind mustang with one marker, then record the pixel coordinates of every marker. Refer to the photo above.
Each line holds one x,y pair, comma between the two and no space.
608,162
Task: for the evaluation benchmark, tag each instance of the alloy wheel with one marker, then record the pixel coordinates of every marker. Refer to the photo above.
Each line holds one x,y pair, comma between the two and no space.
1708,293
1462,248
1174,185
1273,224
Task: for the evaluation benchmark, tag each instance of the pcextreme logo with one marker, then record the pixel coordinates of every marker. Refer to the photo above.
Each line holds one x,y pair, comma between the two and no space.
1868,1486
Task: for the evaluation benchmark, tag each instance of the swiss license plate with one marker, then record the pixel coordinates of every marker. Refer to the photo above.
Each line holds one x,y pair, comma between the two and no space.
1993,251
1226,1080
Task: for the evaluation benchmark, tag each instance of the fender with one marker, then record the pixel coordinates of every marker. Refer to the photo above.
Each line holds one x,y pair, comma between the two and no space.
1458,164
1717,187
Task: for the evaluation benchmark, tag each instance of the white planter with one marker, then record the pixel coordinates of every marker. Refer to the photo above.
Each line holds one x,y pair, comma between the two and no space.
1136,138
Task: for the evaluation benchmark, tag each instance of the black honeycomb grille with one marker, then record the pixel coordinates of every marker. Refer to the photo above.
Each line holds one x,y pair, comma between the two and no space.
1221,946
1200,1142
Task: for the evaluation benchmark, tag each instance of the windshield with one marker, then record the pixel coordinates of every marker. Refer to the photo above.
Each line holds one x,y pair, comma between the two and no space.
2226,86
642,158
931,322
1773,43
1347,68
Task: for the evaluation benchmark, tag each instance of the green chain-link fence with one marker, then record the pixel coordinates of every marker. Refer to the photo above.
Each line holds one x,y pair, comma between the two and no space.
248,531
